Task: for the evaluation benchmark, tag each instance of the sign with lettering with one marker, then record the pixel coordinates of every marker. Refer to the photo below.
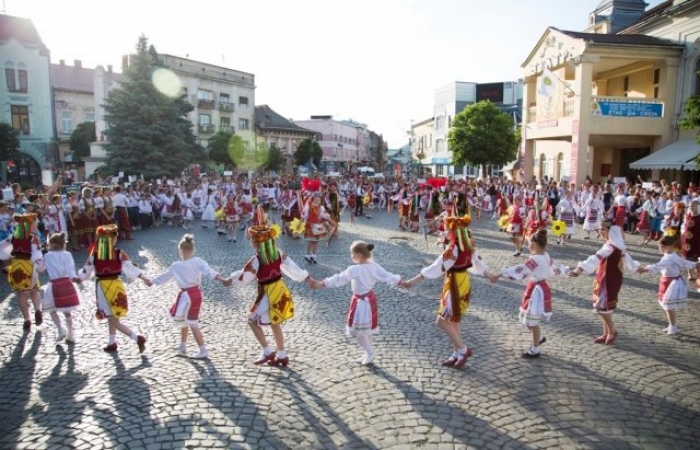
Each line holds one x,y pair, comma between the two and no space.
490,91
548,123
617,108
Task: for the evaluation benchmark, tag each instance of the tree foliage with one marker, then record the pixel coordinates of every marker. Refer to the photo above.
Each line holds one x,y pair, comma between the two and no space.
9,143
275,159
148,131
692,117
218,148
80,140
308,149
481,134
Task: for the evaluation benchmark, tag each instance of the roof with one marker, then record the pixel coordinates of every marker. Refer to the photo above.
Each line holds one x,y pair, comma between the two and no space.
78,79
679,155
651,14
266,118
23,30
637,40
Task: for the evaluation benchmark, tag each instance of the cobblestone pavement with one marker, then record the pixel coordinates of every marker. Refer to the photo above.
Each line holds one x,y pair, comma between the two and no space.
643,392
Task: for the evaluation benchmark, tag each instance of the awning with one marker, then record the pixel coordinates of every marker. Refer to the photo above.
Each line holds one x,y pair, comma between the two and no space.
679,155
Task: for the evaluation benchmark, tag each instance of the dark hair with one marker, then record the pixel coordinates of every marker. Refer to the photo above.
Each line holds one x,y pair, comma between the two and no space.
540,238
668,241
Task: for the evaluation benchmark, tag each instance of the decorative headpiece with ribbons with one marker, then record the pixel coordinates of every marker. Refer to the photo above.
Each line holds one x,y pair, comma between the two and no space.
104,248
458,233
264,236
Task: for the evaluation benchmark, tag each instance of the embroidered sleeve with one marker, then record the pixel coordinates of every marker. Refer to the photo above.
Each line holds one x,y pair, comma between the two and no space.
478,266
247,274
339,279
520,271
591,263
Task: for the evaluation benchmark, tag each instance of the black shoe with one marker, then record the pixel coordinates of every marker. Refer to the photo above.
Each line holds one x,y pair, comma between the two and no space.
308,260
313,261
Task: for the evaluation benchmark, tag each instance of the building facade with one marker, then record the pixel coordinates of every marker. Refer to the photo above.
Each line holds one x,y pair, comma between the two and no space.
596,104
26,94
223,98
421,145
343,142
276,130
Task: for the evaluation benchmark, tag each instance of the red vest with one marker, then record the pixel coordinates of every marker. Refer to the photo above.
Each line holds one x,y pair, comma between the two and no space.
464,260
108,267
269,273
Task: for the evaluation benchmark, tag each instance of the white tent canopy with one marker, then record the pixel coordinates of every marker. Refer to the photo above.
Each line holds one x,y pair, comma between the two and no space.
679,155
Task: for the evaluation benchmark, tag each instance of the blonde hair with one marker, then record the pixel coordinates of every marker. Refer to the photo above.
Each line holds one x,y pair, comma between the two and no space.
363,249
186,244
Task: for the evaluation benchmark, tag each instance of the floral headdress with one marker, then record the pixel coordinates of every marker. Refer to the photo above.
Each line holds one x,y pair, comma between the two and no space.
104,248
264,235
457,231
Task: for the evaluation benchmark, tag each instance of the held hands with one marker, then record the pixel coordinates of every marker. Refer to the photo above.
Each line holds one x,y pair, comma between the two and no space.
314,284
147,281
493,277
226,282
574,273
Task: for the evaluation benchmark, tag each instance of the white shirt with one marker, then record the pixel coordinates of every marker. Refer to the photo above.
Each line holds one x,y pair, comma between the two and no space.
119,200
671,265
59,264
187,273
536,268
362,277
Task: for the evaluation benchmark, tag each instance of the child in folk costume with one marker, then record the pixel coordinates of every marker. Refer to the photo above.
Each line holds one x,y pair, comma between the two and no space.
620,209
273,304
516,213
566,209
363,315
60,295
314,215
23,270
453,264
209,208
187,274
607,265
644,222
57,217
673,222
289,202
536,303
673,291
232,217
690,236
89,215
108,263
75,220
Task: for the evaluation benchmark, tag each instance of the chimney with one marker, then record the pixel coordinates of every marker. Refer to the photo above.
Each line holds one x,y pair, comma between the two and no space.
125,62
109,68
78,64
62,62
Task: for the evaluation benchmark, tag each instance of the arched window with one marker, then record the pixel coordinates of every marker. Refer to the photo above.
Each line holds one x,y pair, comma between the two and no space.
560,166
10,80
543,165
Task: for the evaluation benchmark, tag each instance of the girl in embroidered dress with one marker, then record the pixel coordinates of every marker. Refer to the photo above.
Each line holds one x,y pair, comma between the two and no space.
60,295
209,205
566,210
593,209
453,264
89,216
108,263
273,304
23,270
673,291
536,303
607,266
363,316
516,214
314,215
187,274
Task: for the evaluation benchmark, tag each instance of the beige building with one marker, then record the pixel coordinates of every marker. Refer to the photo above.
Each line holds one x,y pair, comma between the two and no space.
274,129
422,148
223,98
596,104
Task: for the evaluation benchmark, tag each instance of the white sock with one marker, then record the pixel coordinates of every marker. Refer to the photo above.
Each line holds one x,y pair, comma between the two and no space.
112,339
463,351
56,321
281,354
365,342
534,350
267,350
202,349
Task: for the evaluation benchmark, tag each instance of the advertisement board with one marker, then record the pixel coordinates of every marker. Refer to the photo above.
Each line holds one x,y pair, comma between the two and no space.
490,91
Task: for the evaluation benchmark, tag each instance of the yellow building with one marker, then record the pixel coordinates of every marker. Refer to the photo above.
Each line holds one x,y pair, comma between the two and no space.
596,104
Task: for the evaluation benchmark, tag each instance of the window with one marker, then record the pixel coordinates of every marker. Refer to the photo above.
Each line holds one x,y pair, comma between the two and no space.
204,119
89,115
206,96
657,78
20,118
243,101
22,75
626,85
224,98
66,121
225,123
10,76
242,124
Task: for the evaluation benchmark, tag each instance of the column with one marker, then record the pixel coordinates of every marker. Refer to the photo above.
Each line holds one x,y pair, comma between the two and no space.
668,88
581,153
527,160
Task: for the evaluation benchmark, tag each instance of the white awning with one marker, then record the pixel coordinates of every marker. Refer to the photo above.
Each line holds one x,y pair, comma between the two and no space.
679,155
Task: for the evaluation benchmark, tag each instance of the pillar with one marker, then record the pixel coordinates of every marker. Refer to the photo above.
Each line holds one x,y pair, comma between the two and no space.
581,153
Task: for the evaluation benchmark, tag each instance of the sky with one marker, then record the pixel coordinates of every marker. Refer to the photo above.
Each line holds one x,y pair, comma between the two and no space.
378,62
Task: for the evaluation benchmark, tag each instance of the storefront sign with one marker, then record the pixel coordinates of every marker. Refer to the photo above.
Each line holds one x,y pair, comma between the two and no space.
626,109
442,161
548,123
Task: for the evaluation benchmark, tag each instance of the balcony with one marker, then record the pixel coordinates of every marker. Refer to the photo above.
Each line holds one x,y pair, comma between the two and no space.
228,128
206,104
226,107
207,128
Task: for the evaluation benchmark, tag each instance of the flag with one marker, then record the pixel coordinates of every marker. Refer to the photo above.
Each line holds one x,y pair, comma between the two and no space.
546,84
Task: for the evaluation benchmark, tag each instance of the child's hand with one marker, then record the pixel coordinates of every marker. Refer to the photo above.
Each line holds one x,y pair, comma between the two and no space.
76,280
642,269
227,282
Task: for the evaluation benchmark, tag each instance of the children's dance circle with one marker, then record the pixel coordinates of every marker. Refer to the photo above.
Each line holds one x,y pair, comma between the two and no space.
311,209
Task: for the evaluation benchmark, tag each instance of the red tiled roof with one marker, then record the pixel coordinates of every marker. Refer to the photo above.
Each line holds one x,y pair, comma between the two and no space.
23,30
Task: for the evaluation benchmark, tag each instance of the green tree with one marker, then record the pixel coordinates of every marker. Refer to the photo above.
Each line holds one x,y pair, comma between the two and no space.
9,143
308,149
481,134
275,159
80,140
218,148
692,118
148,130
